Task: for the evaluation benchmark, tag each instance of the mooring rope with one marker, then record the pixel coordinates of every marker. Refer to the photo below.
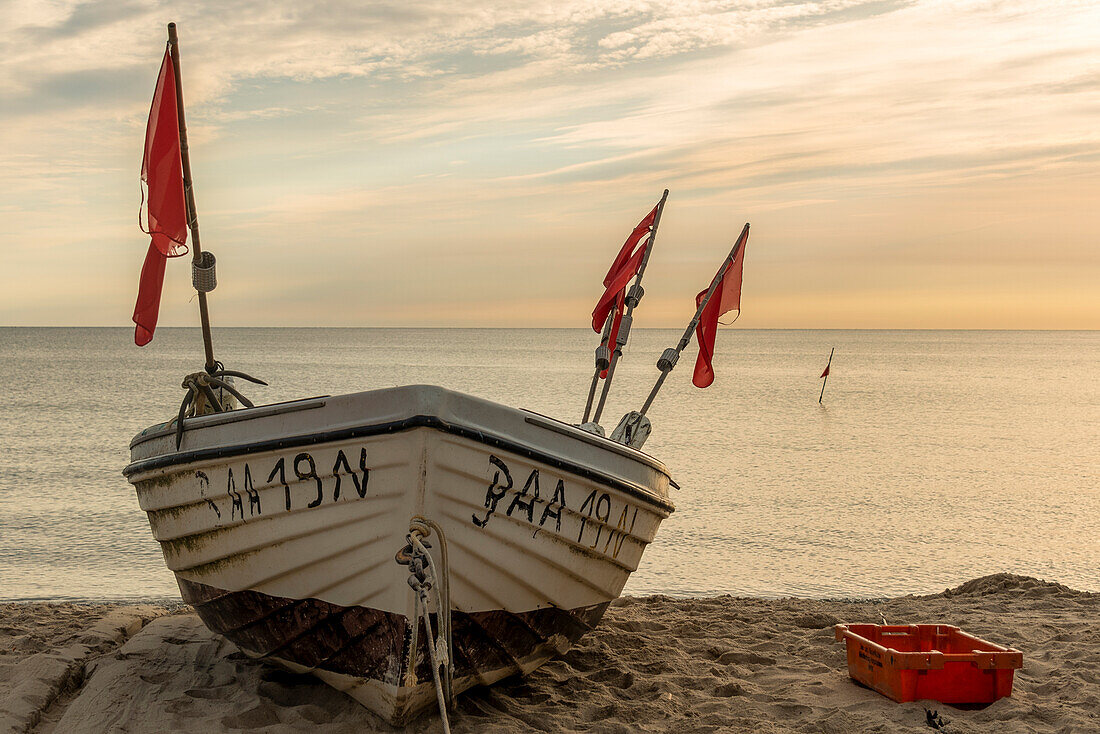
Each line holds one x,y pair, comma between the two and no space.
423,527
423,577
200,395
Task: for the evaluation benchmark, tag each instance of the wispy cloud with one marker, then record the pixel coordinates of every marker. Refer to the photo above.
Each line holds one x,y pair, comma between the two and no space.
333,128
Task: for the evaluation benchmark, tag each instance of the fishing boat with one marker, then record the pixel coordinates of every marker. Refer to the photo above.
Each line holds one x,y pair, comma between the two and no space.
401,544
281,524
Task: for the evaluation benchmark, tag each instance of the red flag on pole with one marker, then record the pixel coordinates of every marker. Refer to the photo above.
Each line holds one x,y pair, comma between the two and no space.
165,212
825,373
625,267
618,276
616,290
726,298
624,256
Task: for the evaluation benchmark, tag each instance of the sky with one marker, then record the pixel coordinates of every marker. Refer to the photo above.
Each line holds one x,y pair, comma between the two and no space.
921,164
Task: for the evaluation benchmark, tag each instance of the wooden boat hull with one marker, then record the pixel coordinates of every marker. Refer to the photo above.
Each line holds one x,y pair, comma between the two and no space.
281,525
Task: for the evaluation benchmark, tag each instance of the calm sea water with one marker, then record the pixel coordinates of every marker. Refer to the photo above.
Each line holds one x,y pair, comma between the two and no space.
937,456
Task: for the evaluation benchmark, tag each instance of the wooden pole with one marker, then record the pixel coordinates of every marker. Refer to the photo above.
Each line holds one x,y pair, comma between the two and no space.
830,364
189,194
628,317
694,323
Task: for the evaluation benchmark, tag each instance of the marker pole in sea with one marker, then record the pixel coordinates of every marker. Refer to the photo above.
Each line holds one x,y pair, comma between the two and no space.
825,375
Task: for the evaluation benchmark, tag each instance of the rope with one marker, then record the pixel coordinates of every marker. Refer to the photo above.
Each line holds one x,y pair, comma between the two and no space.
435,646
424,576
201,398
423,595
422,526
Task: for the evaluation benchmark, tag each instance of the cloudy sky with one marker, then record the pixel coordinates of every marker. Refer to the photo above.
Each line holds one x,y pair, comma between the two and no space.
429,163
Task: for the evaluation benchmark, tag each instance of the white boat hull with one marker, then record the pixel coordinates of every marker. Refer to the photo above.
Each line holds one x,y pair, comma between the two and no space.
281,524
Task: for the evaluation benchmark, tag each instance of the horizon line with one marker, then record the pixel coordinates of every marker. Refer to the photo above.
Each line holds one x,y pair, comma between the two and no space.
568,328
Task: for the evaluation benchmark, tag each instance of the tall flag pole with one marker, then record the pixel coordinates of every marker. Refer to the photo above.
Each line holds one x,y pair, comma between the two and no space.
825,375
729,276
200,261
170,210
616,289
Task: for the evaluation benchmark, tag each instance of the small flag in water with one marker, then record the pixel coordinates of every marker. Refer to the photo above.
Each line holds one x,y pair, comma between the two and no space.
825,374
165,213
726,298
625,267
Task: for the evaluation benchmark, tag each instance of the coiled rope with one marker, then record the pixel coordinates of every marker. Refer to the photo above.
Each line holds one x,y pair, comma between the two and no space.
201,397
423,577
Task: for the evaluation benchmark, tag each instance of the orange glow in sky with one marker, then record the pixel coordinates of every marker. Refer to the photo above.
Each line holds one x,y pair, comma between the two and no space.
903,164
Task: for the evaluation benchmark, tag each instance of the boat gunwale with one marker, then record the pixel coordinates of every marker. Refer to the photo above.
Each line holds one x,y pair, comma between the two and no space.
210,420
412,423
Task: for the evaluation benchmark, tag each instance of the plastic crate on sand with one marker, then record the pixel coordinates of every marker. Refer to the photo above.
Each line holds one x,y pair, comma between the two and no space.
929,661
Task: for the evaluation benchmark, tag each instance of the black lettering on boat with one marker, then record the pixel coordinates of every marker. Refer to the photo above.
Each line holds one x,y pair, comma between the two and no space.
204,482
360,488
590,503
234,496
557,500
529,505
496,491
604,498
253,495
280,469
622,531
598,506
311,474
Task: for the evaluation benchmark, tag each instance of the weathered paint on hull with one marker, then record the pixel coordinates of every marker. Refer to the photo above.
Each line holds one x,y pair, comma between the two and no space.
289,520
364,652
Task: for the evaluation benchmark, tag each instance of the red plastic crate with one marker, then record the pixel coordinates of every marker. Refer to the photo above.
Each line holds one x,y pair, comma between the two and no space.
931,661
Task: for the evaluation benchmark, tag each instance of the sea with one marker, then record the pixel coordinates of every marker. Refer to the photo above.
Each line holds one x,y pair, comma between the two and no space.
933,458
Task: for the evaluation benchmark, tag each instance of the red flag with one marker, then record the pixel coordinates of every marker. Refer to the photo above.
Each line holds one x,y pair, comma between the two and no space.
616,289
166,212
627,249
825,373
624,268
727,297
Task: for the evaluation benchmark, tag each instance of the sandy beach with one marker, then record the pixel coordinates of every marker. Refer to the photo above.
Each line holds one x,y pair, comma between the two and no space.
655,664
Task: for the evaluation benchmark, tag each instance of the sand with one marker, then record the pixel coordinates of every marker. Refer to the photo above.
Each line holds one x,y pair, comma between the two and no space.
655,664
